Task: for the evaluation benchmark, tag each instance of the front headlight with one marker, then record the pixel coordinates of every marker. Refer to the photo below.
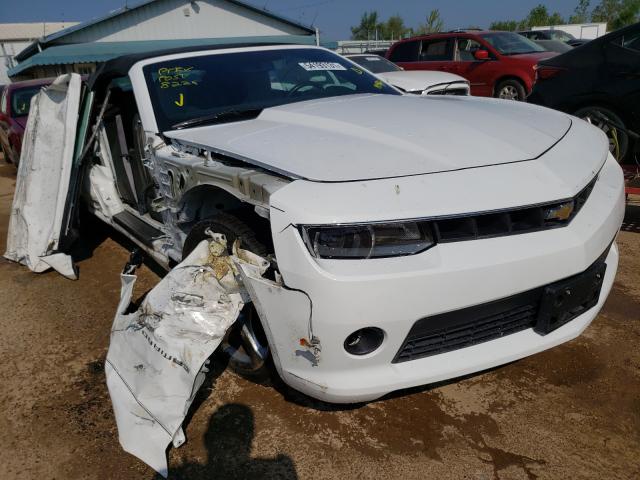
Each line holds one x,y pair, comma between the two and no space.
376,240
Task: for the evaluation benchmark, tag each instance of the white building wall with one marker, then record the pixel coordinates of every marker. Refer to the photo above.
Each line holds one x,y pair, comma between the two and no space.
8,50
587,31
15,37
179,19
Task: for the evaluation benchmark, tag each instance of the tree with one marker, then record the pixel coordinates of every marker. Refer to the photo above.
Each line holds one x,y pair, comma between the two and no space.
434,23
394,28
581,12
507,25
537,17
368,26
616,13
629,13
555,19
605,11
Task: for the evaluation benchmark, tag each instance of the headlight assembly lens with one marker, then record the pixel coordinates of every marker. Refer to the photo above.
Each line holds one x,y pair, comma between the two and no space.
368,240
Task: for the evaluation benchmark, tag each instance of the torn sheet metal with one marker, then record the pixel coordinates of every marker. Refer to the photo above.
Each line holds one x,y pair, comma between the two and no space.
157,358
44,174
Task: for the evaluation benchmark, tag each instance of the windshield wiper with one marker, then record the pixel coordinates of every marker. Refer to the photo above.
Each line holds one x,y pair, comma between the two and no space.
224,116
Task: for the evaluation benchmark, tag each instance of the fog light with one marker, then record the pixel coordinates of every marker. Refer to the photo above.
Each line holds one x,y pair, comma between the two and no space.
364,341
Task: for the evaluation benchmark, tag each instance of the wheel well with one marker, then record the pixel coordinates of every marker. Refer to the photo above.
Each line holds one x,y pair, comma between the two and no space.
509,77
574,107
205,201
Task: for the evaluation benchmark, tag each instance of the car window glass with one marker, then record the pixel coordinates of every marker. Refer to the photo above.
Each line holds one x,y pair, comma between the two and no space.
561,36
193,87
509,43
465,49
21,100
435,50
405,52
632,41
375,64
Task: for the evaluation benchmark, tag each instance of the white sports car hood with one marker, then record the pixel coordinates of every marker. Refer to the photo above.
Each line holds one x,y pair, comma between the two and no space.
364,137
418,80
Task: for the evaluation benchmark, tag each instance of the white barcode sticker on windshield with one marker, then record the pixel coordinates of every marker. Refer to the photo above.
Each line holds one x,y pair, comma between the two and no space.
316,66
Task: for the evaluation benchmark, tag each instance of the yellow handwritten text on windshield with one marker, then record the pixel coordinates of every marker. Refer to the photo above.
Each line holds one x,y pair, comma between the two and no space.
173,77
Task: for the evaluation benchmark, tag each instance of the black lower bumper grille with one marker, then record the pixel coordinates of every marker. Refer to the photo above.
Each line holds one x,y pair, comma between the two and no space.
470,326
489,321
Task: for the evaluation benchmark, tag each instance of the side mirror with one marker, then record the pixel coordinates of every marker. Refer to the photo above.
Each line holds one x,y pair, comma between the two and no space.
481,55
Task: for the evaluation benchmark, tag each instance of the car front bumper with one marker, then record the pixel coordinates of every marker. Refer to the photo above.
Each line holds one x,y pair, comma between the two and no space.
329,299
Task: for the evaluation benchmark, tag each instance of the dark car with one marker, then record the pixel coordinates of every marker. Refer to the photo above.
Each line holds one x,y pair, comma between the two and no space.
558,35
554,45
497,64
14,111
599,82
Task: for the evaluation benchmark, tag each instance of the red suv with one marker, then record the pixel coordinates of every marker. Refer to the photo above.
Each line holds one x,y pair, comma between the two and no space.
15,102
497,64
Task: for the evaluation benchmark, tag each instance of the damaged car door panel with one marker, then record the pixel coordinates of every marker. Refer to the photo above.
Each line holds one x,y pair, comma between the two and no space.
393,224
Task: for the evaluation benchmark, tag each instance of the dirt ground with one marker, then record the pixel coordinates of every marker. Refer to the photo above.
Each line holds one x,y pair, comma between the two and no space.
571,412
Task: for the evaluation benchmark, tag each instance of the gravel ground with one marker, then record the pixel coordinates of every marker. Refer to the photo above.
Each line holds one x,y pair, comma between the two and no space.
571,412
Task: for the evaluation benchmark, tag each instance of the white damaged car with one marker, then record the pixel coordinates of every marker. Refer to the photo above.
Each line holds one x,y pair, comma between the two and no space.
417,82
410,240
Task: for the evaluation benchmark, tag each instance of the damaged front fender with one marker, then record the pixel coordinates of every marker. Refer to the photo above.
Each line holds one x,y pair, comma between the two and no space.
157,357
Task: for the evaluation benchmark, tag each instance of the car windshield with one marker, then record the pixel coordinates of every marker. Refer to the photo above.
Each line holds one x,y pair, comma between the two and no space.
375,64
561,35
509,43
21,100
212,88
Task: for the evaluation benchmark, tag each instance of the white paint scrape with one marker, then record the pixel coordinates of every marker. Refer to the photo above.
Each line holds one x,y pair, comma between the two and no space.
44,173
158,355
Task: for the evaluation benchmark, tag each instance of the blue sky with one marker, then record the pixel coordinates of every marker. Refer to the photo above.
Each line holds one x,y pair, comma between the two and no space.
333,17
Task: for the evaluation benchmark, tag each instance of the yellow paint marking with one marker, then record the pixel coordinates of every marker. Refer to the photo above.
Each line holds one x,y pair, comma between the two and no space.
181,101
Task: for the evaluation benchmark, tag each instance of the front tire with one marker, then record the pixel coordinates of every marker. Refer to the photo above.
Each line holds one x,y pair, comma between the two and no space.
245,344
511,89
598,116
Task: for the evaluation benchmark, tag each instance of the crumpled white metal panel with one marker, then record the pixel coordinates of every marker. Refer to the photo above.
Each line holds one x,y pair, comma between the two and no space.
43,178
158,355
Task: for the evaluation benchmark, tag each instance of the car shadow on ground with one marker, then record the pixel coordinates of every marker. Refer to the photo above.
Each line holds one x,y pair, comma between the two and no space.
92,232
7,170
298,398
631,222
228,440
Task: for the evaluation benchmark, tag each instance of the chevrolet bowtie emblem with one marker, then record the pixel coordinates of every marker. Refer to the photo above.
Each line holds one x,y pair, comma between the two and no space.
559,212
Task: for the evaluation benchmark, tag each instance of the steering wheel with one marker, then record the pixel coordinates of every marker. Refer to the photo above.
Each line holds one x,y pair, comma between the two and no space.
298,86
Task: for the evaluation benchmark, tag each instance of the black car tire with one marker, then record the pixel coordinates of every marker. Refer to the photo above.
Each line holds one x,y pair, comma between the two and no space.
240,342
511,89
592,113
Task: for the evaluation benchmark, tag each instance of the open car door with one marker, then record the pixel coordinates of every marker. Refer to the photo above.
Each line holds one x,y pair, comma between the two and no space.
47,182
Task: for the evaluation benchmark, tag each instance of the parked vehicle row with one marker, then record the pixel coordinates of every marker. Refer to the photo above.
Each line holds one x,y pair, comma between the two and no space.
598,81
497,64
414,82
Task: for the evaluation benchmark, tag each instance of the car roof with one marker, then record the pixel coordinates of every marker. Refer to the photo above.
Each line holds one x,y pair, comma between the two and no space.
449,34
578,55
120,66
